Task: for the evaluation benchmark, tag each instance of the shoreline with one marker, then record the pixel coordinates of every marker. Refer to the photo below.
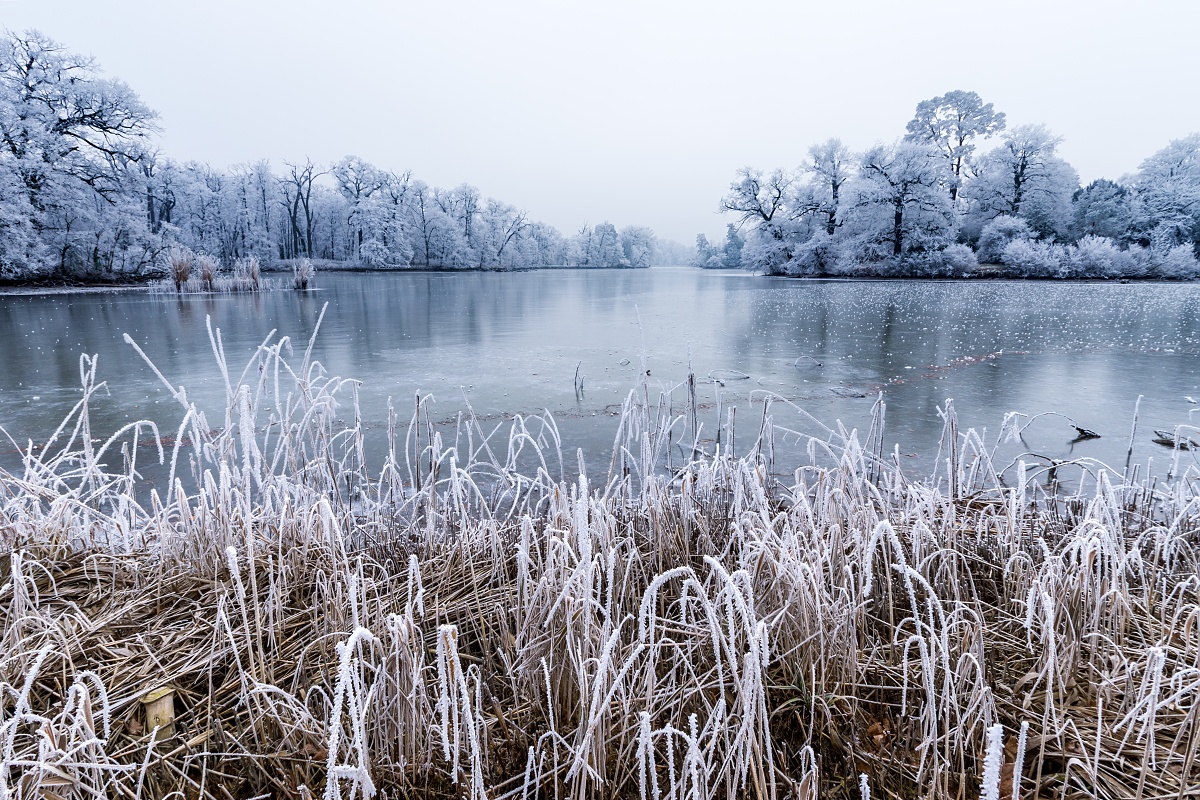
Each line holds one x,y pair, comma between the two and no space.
34,290
11,287
17,288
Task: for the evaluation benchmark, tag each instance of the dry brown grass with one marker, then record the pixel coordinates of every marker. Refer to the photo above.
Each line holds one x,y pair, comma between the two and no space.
303,272
246,275
208,267
179,267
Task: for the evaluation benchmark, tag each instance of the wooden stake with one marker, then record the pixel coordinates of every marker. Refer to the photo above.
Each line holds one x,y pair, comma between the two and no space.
160,712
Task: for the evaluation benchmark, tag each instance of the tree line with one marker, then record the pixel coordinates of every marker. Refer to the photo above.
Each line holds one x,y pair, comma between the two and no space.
928,204
85,191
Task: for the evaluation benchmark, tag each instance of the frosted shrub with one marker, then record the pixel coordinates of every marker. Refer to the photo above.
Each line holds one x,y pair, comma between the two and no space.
960,258
817,256
378,253
766,253
1141,261
857,255
955,261
1176,263
373,253
1166,235
1096,257
997,235
1030,259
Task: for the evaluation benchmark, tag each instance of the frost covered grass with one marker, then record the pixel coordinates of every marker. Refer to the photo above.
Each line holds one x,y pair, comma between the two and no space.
188,273
475,618
302,273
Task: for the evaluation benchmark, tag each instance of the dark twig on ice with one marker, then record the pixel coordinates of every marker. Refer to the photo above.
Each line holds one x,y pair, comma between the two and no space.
1082,434
1169,439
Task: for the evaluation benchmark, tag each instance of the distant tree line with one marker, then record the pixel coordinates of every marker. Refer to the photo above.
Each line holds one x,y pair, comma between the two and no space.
84,191
928,205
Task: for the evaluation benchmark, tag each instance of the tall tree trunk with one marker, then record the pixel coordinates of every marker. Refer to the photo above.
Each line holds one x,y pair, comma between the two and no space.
831,224
898,230
1018,187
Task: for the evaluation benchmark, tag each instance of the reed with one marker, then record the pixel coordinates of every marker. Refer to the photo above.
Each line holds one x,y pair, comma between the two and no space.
246,275
208,267
249,272
467,620
179,266
302,273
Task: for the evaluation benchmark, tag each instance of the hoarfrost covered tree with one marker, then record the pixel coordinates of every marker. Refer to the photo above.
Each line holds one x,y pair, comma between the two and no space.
22,251
606,246
203,213
390,243
819,208
765,202
1166,204
461,204
297,185
83,188
638,246
502,227
731,252
900,203
72,140
437,237
1024,177
1102,208
829,167
357,181
331,239
597,247
160,179
253,188
951,123
374,215
543,245
708,255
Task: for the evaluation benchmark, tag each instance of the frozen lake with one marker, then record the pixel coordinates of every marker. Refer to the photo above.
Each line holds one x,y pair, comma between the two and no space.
511,343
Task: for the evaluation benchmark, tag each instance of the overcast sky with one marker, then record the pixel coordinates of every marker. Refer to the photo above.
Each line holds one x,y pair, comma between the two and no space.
632,112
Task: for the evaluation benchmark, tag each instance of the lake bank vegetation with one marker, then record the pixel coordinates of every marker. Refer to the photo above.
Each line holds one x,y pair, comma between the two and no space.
475,618
929,205
189,273
86,194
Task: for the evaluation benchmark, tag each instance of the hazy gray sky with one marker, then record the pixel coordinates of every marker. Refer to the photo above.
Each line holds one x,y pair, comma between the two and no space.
633,112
